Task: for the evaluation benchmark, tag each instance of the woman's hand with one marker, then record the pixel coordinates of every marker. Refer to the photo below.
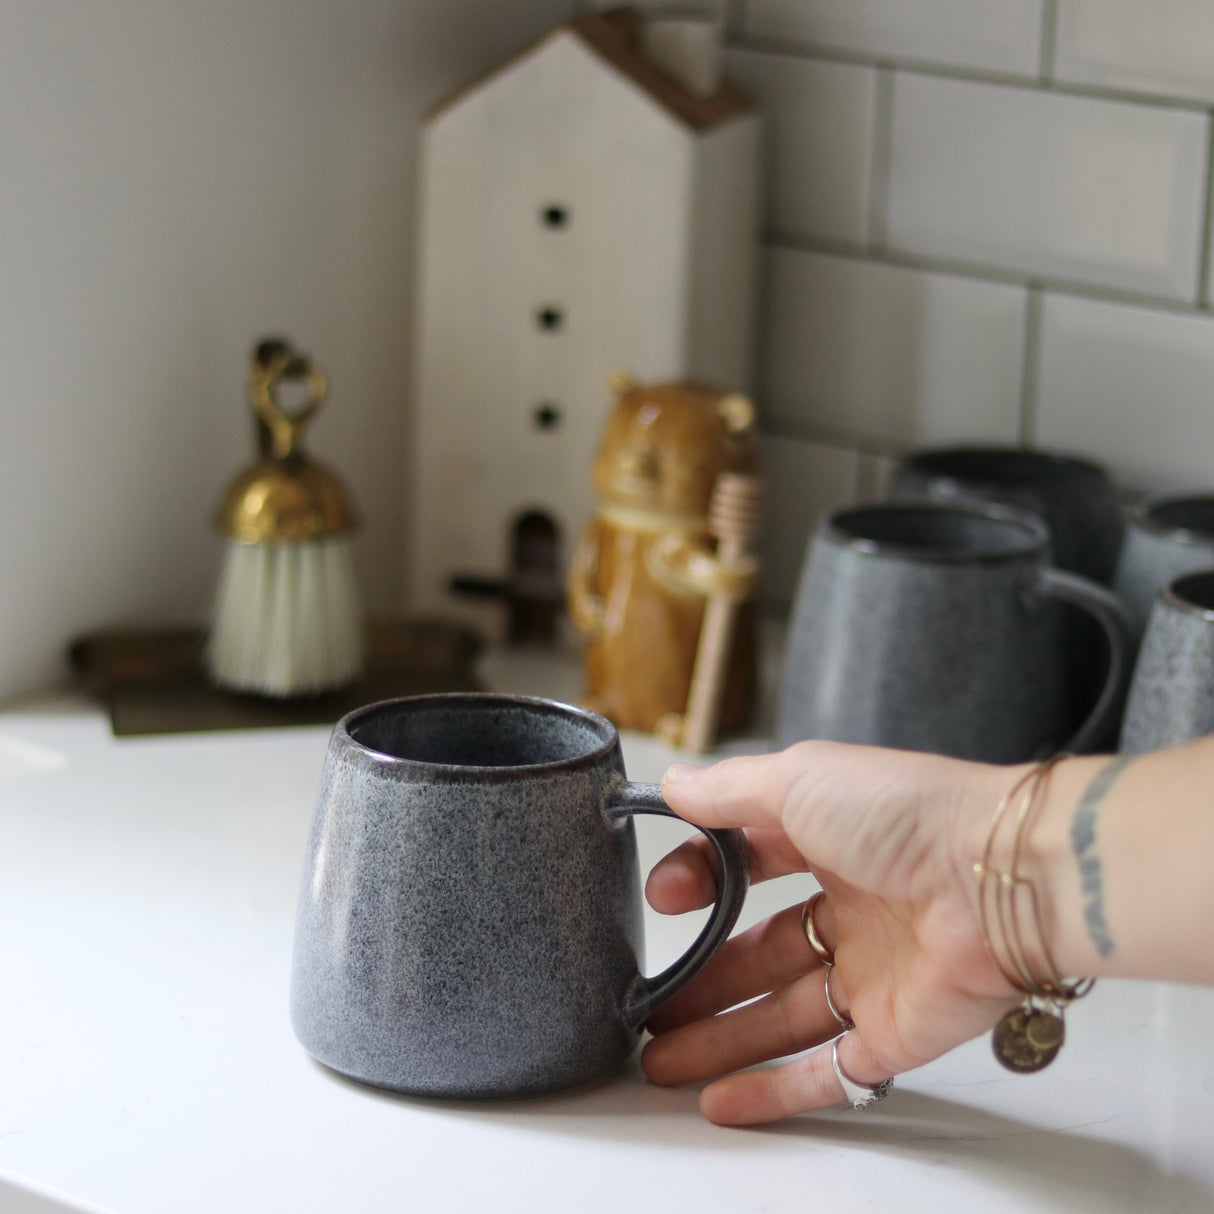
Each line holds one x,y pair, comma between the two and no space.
892,838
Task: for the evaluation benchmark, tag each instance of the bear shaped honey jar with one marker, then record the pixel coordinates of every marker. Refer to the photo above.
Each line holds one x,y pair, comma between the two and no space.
648,563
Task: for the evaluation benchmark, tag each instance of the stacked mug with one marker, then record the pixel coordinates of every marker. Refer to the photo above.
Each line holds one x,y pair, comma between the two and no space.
994,608
1165,579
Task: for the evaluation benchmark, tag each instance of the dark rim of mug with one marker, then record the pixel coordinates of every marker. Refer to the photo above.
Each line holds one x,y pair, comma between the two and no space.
1193,593
1152,515
548,707
1036,537
1046,472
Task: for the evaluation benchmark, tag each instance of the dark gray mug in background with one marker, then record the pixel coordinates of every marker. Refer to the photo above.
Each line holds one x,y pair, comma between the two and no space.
1165,538
470,919
1171,696
935,627
1074,497
1077,501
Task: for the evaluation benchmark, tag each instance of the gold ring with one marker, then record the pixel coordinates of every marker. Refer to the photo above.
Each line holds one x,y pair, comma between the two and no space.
811,932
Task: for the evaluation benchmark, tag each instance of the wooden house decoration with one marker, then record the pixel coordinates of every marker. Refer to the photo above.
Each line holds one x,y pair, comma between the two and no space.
589,207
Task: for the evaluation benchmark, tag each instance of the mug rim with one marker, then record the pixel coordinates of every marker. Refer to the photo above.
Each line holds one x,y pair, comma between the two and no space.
480,771
1087,473
1143,515
1173,594
1035,543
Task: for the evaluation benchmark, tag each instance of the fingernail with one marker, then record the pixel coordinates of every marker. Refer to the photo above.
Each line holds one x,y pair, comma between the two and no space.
681,773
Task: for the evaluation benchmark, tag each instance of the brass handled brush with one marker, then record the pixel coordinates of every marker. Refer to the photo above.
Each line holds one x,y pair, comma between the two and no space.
287,620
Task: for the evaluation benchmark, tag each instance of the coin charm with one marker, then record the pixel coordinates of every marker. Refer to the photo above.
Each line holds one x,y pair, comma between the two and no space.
1028,1038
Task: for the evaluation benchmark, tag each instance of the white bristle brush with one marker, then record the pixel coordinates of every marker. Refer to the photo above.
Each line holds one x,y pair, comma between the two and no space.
287,620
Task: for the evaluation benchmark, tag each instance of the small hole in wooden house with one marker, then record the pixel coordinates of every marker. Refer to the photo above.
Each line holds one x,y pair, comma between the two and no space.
546,417
555,216
550,318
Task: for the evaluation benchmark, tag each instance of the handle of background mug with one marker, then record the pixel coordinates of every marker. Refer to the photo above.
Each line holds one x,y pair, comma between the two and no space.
1101,722
648,994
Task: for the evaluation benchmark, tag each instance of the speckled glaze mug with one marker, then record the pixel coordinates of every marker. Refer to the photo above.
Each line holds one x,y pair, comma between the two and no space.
1075,497
1165,538
941,628
1172,692
470,918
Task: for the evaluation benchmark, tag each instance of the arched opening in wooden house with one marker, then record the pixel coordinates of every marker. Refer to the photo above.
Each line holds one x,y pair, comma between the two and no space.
535,584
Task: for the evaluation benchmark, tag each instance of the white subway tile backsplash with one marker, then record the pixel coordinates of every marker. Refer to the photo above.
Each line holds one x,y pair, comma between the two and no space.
876,475
801,481
989,35
1048,185
820,122
882,352
1165,47
1131,387
951,188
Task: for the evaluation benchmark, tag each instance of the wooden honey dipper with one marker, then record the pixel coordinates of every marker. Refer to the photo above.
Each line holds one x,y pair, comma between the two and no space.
734,514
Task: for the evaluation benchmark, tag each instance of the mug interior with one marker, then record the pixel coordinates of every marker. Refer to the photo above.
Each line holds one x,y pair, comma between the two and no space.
1188,514
1194,592
480,730
1008,468
939,531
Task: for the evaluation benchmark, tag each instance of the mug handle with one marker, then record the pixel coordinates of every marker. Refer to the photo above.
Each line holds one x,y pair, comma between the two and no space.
646,995
1101,604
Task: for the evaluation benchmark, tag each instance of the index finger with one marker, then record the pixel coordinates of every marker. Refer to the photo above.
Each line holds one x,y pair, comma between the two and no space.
686,879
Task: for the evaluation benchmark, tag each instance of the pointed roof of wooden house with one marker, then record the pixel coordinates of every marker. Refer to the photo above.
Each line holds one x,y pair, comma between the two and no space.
615,37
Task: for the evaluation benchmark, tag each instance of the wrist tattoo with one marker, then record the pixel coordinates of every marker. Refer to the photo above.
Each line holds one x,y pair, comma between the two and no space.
1083,844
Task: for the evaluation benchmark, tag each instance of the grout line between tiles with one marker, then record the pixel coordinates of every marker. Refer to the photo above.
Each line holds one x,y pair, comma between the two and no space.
827,436
733,25
779,238
1049,40
901,259
879,166
858,479
919,67
1207,237
1031,369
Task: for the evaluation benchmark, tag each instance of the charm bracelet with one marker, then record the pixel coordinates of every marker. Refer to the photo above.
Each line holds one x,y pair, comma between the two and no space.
1028,1037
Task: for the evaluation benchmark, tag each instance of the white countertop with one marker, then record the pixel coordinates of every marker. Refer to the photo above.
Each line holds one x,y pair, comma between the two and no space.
147,1066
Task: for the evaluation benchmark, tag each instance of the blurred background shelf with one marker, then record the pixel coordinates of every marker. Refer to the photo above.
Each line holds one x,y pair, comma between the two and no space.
154,681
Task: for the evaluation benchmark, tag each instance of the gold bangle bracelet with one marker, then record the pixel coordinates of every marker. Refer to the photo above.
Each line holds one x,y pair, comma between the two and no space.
1029,1037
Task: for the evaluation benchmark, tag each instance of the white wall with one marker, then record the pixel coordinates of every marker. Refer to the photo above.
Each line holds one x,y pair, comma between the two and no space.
176,180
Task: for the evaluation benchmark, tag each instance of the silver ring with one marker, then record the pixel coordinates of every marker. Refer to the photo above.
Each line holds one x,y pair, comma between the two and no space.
845,1022
858,1095
811,932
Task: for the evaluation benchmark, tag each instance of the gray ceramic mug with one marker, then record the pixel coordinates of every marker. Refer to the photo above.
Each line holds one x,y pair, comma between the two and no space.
1074,497
470,918
1172,692
940,628
1165,538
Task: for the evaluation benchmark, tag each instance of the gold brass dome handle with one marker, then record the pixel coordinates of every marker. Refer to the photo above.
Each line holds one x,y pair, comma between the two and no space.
286,429
285,497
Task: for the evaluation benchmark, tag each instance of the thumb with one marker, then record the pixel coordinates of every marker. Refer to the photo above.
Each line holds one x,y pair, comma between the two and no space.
748,790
